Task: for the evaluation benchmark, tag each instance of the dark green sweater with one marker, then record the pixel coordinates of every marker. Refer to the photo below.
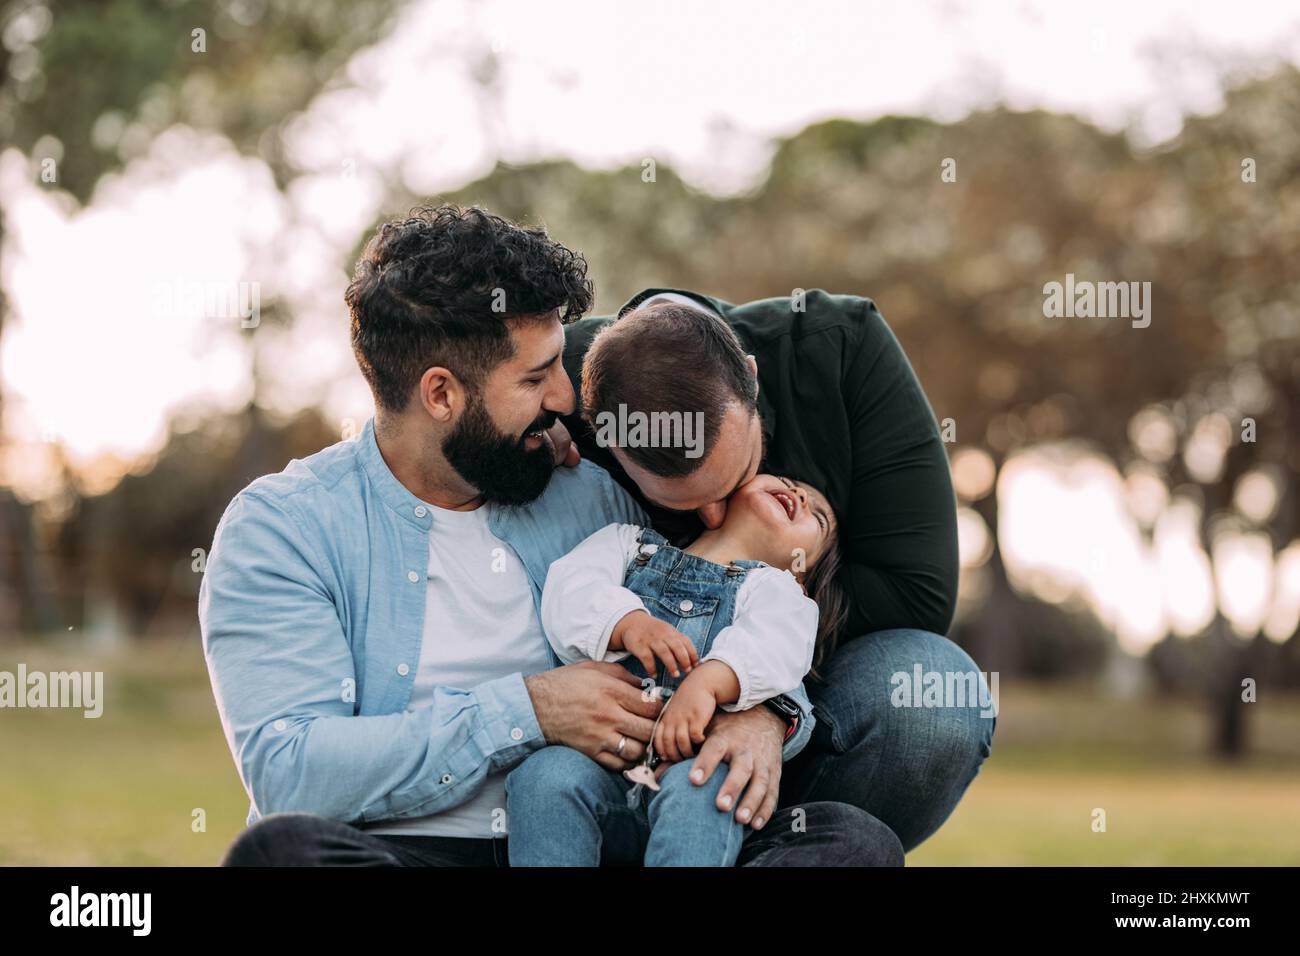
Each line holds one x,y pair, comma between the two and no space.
843,410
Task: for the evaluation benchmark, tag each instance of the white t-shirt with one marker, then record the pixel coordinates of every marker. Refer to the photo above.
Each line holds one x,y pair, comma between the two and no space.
479,624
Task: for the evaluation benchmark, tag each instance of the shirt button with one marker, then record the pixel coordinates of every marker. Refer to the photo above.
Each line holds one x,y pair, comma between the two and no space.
421,511
279,725
412,576
516,734
403,669
649,548
446,778
686,605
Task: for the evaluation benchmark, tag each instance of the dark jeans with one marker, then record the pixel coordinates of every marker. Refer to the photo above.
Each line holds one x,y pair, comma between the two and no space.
906,766
875,780
830,834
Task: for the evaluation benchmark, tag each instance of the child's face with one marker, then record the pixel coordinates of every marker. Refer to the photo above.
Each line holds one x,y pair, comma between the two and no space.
777,519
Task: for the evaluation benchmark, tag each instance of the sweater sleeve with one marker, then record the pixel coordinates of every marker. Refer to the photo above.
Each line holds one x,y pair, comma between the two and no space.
899,539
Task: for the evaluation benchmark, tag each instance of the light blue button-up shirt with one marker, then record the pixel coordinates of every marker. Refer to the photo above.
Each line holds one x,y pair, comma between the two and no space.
312,615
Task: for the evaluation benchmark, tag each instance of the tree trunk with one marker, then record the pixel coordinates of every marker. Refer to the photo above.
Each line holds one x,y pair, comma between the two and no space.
1230,665
991,638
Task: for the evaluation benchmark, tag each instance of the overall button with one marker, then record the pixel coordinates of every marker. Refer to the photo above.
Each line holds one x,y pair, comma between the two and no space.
403,669
686,605
421,511
412,576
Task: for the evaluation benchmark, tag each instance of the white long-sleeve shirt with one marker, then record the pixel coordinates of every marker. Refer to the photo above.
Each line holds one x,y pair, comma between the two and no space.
768,644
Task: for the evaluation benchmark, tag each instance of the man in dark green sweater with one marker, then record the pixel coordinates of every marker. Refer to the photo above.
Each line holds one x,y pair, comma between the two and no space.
813,387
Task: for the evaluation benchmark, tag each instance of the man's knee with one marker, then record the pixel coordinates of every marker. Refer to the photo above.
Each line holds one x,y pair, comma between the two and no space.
285,839
908,685
860,839
824,833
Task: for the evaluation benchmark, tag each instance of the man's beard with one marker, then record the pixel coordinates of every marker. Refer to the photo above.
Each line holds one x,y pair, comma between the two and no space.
496,464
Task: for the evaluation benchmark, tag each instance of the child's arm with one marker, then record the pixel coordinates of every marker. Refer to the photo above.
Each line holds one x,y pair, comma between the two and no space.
646,638
589,616
584,598
765,651
770,642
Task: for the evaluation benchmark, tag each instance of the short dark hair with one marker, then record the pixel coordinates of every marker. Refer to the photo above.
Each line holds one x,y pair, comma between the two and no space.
668,358
439,287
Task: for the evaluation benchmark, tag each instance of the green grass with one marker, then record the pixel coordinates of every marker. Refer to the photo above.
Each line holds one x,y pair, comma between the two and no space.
1060,753
1015,815
120,790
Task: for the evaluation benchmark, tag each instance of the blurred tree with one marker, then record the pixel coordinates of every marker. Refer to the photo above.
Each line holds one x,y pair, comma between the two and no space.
86,86
93,83
140,549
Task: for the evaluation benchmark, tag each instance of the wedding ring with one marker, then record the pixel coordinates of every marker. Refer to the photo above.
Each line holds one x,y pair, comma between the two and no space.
622,742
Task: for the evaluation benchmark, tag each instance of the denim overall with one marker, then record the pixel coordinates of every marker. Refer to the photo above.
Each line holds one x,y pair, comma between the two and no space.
696,596
553,791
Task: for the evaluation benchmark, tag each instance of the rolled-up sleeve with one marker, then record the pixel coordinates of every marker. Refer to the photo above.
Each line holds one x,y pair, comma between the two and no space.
283,674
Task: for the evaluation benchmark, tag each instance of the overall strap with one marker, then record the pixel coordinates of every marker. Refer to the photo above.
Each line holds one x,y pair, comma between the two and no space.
650,542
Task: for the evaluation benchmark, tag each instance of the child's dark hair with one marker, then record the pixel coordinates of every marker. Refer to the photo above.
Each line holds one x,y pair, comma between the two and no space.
823,584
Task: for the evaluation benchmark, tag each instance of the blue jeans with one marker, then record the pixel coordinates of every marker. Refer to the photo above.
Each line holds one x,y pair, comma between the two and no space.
906,766
564,809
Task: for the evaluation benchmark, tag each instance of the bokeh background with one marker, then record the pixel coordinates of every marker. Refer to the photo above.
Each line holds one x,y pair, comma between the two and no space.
1128,497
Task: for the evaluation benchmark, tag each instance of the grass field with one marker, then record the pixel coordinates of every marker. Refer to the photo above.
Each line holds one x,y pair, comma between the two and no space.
122,789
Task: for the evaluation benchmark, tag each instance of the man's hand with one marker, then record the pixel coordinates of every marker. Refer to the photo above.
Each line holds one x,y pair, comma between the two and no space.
750,742
566,452
590,706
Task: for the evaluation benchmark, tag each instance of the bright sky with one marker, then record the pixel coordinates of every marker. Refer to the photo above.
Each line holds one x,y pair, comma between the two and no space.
134,306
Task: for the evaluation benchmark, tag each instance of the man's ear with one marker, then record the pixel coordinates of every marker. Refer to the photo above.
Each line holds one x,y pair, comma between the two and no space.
753,370
441,394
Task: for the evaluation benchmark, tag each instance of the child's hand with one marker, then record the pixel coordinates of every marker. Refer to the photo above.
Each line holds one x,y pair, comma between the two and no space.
686,715
646,637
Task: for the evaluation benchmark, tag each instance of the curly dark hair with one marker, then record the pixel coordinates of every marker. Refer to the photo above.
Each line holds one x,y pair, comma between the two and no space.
438,287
